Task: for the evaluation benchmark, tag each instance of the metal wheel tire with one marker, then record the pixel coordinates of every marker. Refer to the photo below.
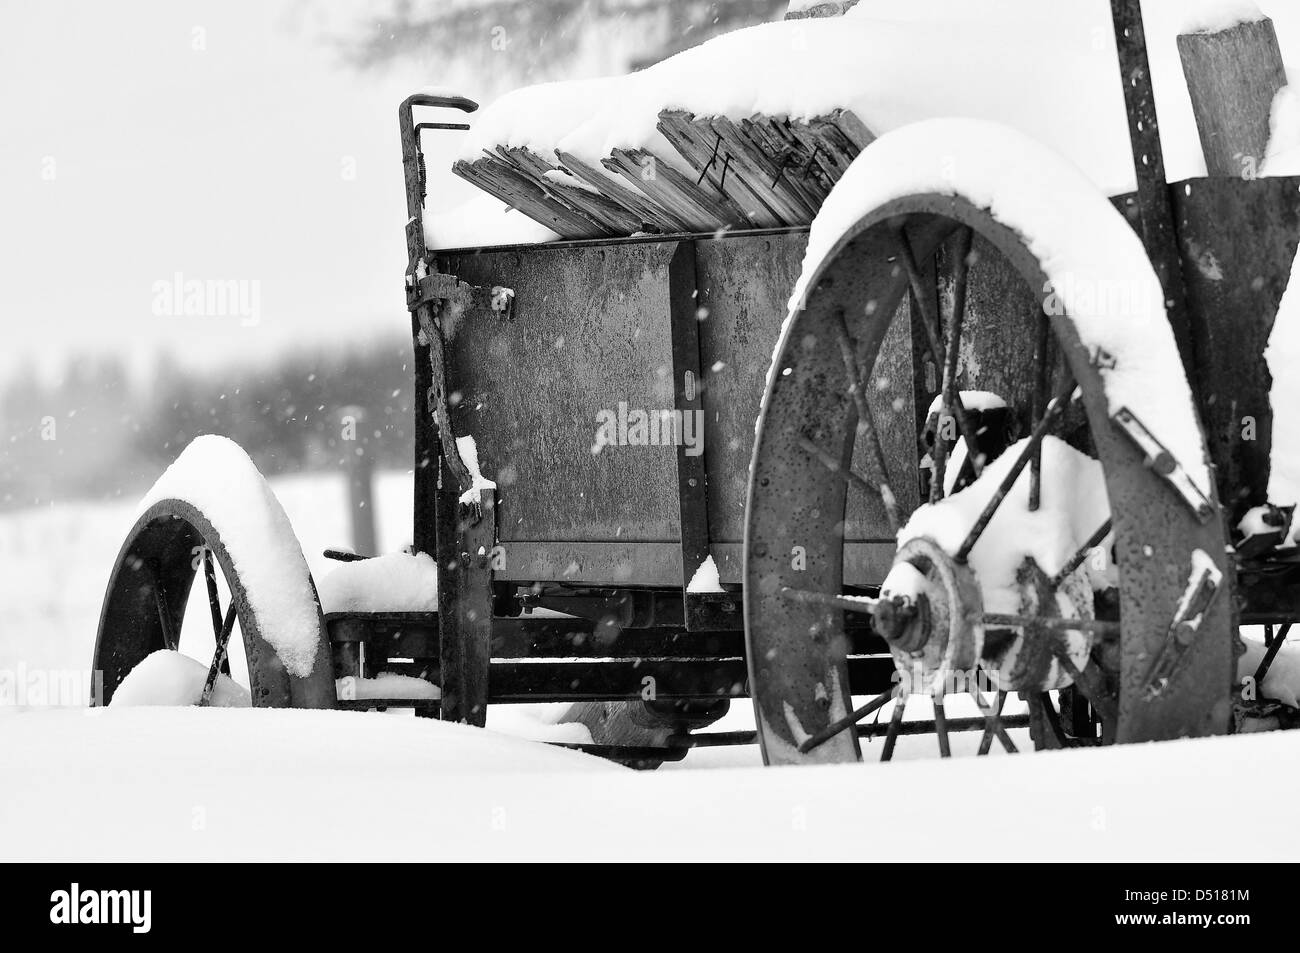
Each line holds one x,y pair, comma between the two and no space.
798,649
145,606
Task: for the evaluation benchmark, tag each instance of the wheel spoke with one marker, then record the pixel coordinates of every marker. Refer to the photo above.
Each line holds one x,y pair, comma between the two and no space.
1102,627
1088,683
961,275
864,604
993,723
930,323
219,656
848,721
1054,719
161,605
895,723
1271,654
1054,411
214,601
1041,385
866,421
848,476
941,727
1075,561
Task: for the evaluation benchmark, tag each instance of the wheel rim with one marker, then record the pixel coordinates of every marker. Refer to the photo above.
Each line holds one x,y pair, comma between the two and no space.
811,456
153,603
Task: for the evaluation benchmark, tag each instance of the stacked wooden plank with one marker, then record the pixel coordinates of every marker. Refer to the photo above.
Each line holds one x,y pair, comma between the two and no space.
761,172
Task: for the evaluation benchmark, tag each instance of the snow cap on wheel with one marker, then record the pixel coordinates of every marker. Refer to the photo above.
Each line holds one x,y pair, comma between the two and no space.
214,475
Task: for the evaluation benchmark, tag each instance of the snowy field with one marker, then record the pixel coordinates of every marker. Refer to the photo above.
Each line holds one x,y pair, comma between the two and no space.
226,783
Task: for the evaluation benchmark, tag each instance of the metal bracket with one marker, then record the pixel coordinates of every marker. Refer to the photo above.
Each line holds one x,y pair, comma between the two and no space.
1165,464
439,289
1202,588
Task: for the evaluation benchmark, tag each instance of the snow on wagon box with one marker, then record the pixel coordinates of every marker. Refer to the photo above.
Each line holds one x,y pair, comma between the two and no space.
968,343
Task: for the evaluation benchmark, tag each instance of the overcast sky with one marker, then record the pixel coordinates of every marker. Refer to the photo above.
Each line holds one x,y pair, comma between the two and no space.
220,140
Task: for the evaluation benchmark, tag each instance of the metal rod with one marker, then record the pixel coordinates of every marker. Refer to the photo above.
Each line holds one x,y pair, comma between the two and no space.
1158,231
1040,397
1053,719
986,742
730,739
1075,561
930,323
214,601
834,466
1054,410
961,275
941,728
993,721
1271,654
1087,682
835,727
1100,627
223,638
895,726
866,421
164,614
863,604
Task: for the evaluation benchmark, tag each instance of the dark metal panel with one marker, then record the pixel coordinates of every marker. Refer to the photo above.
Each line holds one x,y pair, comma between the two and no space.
745,285
590,334
1238,239
1001,327
659,679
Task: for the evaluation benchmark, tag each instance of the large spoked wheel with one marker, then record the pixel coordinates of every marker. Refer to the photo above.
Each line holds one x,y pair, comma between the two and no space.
1068,559
235,631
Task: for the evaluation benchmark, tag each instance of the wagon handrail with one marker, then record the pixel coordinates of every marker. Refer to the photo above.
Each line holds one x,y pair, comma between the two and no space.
413,160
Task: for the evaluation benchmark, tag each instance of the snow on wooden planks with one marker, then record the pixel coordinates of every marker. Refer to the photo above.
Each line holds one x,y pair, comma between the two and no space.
762,172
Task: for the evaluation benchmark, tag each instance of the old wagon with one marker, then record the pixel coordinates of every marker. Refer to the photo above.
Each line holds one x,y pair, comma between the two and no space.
844,423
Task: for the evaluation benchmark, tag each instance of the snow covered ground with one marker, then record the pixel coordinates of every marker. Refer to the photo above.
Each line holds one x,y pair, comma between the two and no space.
230,783
200,784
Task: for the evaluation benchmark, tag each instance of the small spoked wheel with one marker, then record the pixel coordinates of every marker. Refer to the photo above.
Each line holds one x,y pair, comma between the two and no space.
944,504
187,621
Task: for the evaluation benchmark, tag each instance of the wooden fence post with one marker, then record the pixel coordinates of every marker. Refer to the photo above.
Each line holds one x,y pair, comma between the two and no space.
359,466
1233,76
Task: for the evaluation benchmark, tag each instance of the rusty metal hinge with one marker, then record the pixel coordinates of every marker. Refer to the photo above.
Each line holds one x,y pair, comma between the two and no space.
439,288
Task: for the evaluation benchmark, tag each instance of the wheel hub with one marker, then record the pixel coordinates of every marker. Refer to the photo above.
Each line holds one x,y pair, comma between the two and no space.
930,612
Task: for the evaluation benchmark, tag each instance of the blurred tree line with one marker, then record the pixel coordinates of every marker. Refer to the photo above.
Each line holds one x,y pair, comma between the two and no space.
541,39
95,434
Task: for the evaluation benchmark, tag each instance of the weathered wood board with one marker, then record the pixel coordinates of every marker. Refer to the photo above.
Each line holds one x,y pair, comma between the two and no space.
591,336
1232,77
760,172
591,333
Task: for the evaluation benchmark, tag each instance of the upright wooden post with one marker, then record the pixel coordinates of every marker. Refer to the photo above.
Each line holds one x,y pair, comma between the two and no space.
360,469
1233,76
